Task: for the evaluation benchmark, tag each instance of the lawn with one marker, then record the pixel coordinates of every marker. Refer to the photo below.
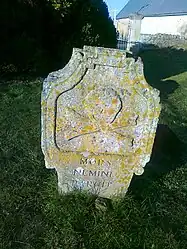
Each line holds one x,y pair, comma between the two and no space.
153,214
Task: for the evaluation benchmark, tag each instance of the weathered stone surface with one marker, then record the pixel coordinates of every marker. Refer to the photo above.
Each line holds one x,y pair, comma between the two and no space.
99,118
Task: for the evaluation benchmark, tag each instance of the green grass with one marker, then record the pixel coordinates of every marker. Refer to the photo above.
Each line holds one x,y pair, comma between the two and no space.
153,215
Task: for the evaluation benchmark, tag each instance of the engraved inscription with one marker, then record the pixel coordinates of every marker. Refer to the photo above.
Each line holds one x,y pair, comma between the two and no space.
92,184
96,173
91,161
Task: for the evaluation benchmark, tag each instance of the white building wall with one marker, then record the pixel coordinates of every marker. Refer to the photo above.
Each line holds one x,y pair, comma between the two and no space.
174,25
122,26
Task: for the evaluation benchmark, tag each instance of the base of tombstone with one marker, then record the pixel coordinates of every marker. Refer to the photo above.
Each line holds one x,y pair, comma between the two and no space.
108,187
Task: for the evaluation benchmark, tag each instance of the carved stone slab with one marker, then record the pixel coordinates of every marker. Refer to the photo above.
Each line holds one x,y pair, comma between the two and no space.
99,118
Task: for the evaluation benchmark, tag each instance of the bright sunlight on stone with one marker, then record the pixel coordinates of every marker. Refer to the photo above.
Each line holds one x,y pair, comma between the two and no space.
99,119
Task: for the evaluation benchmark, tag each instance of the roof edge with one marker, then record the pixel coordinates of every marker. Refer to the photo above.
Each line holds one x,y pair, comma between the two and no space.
156,15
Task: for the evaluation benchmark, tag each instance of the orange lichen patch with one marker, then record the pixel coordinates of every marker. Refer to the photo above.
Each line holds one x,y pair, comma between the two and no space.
141,78
115,124
109,111
142,85
127,81
123,168
151,115
98,101
157,112
123,122
50,128
50,154
50,108
43,103
88,128
120,64
121,151
134,81
57,92
139,151
114,101
125,180
150,142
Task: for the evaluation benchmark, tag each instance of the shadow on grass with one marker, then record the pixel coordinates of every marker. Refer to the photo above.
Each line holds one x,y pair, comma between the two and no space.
160,64
169,152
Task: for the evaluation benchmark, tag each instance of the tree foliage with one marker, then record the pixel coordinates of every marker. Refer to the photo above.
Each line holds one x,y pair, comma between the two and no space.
40,34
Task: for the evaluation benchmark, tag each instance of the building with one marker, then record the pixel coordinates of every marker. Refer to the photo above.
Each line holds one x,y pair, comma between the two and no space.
152,17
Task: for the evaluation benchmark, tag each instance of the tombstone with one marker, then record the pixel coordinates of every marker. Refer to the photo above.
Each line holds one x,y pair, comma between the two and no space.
99,118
